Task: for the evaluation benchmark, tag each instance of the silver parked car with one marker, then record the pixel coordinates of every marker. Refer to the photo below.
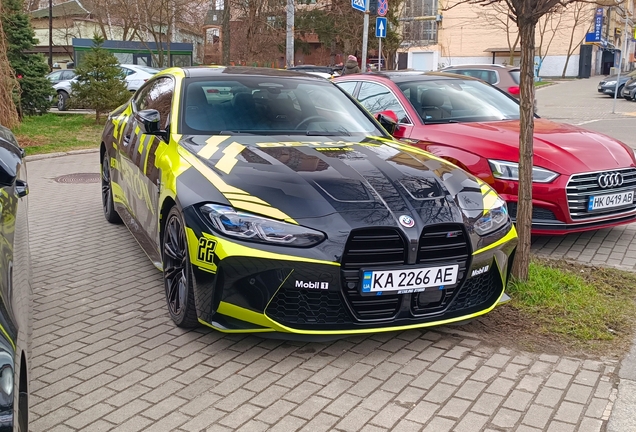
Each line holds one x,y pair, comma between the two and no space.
135,76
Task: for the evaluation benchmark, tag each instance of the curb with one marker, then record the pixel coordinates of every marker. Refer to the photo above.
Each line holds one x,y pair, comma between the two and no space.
59,154
622,416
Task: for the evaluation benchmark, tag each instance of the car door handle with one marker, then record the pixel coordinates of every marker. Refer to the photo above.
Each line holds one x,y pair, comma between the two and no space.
126,139
21,188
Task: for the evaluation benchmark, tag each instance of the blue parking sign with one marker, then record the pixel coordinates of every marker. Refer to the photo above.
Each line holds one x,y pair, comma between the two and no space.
380,27
360,5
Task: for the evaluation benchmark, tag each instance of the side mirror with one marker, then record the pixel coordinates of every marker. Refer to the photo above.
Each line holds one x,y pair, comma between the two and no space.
149,122
388,120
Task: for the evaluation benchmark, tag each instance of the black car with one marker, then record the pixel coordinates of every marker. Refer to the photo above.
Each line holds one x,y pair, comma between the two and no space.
608,85
311,68
15,288
288,208
629,90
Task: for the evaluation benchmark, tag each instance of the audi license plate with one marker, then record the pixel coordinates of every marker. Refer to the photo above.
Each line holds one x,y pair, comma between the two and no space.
408,280
610,200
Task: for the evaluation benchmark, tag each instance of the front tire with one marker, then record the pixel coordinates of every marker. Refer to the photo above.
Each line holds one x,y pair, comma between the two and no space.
62,101
177,272
107,192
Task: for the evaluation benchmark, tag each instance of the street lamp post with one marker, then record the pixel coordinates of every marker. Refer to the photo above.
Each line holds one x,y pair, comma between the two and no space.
289,55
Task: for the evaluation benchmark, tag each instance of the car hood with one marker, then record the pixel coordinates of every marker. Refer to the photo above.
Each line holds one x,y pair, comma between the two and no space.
367,182
559,147
624,78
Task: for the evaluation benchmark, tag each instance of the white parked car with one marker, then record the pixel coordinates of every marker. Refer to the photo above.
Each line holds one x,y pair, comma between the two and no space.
135,76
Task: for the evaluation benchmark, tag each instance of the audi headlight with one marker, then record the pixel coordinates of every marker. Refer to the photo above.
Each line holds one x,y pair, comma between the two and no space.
610,83
510,171
245,226
494,218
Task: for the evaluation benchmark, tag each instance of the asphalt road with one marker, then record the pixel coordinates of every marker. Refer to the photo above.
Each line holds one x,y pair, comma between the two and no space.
578,102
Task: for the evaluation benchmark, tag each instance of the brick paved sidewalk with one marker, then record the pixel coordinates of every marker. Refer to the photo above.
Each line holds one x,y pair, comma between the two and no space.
107,356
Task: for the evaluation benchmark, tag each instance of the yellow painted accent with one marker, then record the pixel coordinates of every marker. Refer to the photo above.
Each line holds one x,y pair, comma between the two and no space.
211,146
271,325
227,162
4,332
247,198
143,140
137,130
208,173
193,245
512,234
118,193
226,248
224,188
222,330
115,145
262,210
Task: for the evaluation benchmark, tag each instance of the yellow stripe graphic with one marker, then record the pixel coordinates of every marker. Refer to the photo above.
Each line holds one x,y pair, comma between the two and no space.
212,145
227,162
248,198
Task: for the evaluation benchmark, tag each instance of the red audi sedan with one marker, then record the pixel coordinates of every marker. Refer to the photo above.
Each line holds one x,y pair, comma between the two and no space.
582,180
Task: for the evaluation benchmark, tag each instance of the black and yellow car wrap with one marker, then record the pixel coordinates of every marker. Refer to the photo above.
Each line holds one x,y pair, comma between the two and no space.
377,205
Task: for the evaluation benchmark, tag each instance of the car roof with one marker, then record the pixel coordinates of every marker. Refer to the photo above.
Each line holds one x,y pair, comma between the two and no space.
403,76
482,66
215,71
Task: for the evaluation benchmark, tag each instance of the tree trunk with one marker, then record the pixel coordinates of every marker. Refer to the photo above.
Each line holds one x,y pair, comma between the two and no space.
527,29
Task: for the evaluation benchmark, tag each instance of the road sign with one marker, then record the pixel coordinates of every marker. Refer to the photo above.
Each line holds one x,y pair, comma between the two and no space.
359,5
380,27
383,7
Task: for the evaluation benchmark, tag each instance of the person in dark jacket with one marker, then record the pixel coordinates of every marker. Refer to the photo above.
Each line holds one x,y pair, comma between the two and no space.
351,66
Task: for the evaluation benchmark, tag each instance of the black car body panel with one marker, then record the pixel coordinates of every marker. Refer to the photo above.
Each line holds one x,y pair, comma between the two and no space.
15,286
378,206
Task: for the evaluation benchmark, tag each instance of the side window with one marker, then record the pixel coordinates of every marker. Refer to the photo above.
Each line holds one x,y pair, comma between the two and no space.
348,86
491,77
158,96
127,71
376,98
55,76
68,74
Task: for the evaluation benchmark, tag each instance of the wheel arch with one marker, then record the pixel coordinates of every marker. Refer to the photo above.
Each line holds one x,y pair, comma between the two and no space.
166,205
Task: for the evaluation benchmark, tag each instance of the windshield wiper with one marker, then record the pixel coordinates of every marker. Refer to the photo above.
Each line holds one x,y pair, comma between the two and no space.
328,133
440,121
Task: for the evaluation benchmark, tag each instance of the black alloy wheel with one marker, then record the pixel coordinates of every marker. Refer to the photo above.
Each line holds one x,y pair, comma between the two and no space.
177,274
107,193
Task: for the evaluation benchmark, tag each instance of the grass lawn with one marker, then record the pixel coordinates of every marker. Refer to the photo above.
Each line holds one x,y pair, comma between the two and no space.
580,306
51,133
542,83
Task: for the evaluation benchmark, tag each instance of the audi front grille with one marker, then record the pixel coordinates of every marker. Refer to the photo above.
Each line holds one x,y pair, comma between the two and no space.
582,186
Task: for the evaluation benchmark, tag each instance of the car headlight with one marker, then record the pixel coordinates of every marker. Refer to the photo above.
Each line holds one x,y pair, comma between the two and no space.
510,171
249,227
494,218
610,83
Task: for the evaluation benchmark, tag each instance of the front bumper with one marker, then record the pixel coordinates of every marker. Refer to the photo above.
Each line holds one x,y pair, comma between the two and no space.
248,290
551,213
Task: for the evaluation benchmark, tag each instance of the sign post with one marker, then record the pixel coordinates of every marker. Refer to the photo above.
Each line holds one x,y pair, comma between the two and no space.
380,33
363,6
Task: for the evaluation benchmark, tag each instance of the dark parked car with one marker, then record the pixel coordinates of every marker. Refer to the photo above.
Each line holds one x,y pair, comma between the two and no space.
629,90
608,85
311,68
15,288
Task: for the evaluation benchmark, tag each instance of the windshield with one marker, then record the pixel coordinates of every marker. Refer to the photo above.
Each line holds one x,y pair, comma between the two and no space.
516,75
272,106
458,101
